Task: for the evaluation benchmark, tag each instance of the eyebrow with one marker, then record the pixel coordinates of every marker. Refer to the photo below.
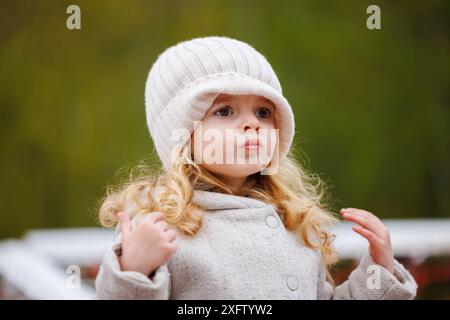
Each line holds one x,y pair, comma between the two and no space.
220,99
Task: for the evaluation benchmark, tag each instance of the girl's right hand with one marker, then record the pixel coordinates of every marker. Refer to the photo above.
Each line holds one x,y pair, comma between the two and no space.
148,246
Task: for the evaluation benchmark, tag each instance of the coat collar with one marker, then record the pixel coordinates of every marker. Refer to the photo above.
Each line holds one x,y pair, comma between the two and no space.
220,201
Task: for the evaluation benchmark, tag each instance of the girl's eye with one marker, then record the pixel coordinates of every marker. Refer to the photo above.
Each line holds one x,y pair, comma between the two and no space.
263,113
224,111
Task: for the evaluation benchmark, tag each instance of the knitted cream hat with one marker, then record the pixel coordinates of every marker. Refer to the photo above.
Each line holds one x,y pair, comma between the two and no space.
186,78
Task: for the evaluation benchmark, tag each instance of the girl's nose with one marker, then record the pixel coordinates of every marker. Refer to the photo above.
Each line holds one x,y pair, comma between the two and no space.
250,123
251,128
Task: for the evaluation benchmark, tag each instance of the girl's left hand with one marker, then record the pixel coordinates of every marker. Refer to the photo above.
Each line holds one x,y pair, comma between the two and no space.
371,228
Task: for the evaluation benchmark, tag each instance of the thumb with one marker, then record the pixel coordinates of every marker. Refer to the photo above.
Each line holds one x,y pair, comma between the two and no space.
125,225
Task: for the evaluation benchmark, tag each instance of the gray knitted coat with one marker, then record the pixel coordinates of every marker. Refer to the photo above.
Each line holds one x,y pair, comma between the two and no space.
243,251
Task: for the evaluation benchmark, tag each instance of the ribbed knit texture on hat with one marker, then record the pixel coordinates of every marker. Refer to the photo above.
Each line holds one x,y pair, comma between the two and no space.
186,78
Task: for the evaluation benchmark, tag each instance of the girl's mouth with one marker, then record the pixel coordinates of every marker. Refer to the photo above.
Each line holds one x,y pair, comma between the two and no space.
252,144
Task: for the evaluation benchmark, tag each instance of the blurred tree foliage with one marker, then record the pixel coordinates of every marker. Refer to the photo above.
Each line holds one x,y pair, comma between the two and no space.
371,106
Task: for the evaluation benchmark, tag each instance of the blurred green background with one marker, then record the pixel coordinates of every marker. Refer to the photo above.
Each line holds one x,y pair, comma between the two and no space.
371,106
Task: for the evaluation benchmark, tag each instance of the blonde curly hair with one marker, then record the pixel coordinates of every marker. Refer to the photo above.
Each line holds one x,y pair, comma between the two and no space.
297,194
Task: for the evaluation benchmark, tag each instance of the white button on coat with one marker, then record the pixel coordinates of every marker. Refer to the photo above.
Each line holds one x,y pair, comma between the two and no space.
292,282
271,221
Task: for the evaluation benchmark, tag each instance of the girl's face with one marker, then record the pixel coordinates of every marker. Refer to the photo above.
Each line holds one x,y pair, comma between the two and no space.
236,137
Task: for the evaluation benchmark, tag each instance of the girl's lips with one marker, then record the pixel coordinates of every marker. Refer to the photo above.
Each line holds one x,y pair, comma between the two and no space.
253,143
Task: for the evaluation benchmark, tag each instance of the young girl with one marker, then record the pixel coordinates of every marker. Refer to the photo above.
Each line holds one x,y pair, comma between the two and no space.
233,215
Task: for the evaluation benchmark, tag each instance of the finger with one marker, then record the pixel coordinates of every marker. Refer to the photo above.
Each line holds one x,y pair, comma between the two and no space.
361,220
370,236
171,235
379,228
364,222
369,215
125,225
356,210
161,224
